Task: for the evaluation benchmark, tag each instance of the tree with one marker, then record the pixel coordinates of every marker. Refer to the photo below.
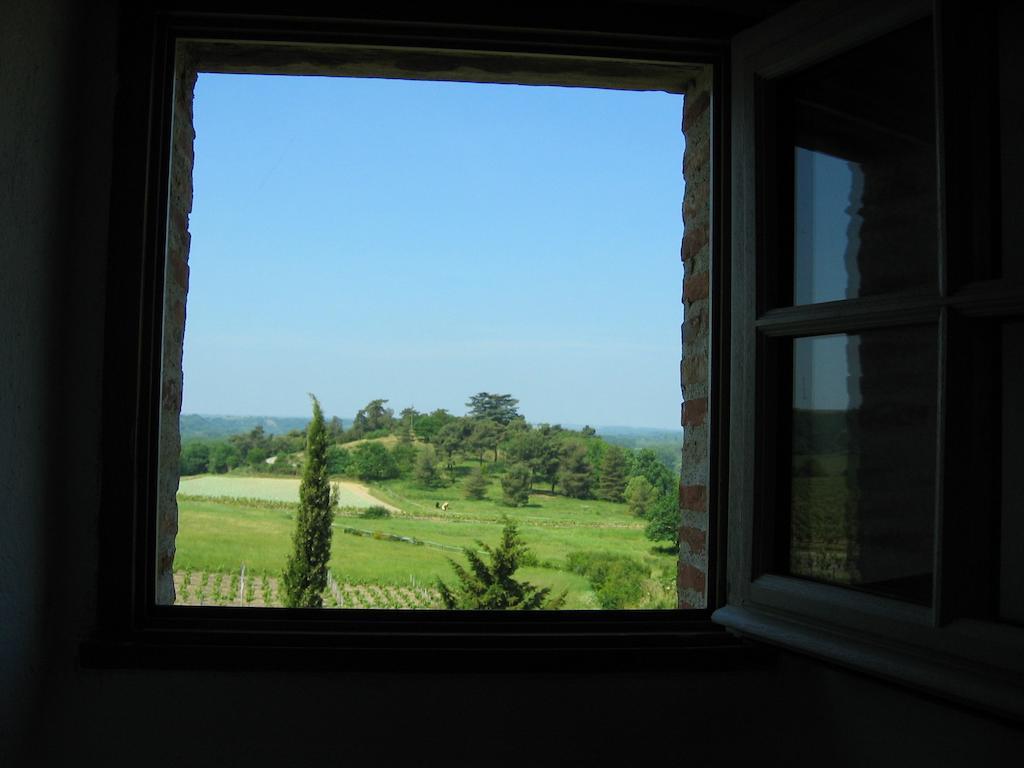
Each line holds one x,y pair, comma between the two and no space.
305,575
426,426
515,485
452,438
372,461
195,458
663,519
613,474
492,586
539,450
404,456
405,424
223,456
499,408
574,474
640,494
339,460
476,484
647,464
373,418
425,470
484,436
335,430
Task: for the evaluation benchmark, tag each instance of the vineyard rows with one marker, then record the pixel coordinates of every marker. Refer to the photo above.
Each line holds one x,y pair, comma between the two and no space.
258,591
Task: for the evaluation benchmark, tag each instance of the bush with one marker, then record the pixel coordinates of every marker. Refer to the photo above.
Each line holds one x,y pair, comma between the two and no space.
375,512
617,579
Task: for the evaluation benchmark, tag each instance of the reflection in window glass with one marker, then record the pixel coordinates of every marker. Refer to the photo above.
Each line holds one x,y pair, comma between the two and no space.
864,170
1011,596
827,237
863,461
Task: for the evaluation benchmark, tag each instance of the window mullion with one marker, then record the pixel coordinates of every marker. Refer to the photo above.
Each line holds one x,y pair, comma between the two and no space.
851,314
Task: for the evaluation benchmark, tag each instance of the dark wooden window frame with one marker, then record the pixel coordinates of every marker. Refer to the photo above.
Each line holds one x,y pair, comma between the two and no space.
132,629
953,648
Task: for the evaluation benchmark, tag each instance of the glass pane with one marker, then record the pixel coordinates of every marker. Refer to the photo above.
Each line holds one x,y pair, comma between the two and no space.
862,480
1011,575
864,170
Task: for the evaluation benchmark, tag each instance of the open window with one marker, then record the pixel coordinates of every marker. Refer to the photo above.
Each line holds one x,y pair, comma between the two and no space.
875,347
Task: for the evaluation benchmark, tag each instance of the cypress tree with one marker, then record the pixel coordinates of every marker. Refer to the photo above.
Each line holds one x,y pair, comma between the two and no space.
305,576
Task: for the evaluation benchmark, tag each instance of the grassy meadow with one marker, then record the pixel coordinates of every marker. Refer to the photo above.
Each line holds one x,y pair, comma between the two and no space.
226,521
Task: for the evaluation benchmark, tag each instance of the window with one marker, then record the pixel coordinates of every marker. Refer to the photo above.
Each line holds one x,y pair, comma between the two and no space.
147,308
395,246
872,496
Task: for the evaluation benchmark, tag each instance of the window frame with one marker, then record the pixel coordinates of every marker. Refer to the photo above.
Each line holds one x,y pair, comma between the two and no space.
132,628
943,649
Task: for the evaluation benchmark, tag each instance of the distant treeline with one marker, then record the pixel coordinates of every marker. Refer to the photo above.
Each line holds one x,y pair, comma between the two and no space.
193,426
427,449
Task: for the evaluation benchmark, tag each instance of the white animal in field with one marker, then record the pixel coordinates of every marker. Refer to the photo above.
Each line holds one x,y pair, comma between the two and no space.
444,507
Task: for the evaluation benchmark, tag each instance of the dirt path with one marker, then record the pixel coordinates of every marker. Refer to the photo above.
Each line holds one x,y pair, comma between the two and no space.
360,490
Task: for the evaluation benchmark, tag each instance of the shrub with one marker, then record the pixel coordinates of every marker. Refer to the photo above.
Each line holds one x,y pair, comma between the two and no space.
617,579
375,512
491,585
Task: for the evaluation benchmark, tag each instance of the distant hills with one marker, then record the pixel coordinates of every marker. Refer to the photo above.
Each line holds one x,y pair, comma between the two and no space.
194,426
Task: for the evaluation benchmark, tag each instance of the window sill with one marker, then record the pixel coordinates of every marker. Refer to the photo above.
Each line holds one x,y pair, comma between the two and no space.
993,690
507,648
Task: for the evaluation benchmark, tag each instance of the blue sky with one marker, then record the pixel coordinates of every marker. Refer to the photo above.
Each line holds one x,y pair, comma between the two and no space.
421,242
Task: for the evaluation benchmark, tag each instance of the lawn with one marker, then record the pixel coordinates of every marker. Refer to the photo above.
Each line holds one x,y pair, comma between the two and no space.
218,535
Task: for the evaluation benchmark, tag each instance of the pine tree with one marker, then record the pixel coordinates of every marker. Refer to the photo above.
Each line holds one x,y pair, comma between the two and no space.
305,576
477,484
491,586
425,469
515,486
613,474
574,474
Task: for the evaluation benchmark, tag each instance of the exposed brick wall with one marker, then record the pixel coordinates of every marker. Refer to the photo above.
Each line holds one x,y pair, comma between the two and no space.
175,292
693,530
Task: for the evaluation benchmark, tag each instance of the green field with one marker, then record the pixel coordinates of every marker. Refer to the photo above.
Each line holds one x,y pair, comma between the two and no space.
222,525
267,488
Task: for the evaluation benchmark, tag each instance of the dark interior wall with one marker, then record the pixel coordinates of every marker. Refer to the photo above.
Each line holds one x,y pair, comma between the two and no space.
58,84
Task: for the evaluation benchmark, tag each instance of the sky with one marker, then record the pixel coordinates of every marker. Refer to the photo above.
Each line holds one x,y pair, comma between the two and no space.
827,239
422,241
